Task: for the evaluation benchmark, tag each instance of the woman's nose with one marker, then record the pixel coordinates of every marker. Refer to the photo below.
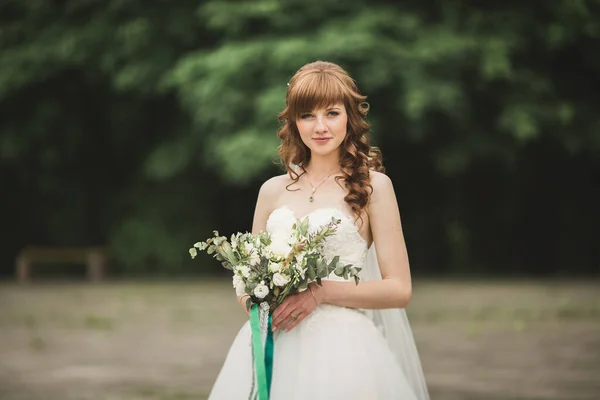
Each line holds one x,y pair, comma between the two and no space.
320,125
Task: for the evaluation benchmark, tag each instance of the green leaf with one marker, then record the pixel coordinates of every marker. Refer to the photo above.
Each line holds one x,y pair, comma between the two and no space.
311,273
334,261
302,286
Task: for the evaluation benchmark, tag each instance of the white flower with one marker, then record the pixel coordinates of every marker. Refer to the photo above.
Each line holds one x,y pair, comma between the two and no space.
274,267
261,291
280,247
193,252
244,270
249,247
300,258
254,259
239,285
293,240
280,279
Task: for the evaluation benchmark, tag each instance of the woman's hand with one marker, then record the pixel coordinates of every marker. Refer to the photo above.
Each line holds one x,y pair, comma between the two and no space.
294,309
242,301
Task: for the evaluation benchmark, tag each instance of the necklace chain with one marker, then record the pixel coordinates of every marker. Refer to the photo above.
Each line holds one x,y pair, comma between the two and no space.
314,188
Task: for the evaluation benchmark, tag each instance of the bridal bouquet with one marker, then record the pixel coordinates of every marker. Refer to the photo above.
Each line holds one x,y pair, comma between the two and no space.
270,267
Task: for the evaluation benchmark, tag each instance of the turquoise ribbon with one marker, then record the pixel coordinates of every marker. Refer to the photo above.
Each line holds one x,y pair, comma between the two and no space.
263,358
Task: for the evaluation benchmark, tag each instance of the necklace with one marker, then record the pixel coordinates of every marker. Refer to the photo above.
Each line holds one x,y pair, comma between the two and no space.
314,188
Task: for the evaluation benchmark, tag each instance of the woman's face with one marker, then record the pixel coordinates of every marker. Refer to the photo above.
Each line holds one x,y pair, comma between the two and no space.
323,130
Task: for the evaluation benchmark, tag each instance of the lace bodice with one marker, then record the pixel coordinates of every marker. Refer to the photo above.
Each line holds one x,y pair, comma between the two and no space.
346,242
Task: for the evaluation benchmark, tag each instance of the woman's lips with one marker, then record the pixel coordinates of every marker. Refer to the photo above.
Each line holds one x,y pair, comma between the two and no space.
322,140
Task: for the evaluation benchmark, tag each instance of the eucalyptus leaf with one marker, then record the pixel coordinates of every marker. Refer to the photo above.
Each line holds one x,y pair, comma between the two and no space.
230,256
335,261
311,273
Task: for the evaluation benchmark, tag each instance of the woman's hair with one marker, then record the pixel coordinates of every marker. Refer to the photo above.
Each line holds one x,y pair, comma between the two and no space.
318,85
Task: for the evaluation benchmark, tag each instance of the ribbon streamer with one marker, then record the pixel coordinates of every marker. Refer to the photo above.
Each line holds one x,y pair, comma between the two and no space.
263,357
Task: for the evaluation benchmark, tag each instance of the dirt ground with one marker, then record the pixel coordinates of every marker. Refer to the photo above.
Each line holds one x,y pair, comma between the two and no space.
167,341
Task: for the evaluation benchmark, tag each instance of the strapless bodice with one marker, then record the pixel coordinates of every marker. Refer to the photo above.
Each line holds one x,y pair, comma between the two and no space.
347,243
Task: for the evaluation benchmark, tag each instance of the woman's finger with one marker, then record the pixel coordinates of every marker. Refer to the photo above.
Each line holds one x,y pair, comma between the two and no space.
279,311
284,318
295,321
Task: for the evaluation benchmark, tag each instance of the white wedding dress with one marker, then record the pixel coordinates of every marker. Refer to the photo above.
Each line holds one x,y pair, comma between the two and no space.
336,352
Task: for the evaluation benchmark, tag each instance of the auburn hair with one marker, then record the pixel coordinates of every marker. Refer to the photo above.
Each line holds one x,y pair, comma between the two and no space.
319,85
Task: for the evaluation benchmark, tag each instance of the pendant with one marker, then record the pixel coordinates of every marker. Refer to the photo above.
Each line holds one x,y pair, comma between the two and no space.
311,199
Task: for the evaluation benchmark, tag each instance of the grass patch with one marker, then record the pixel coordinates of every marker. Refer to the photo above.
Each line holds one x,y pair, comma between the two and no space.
97,323
36,343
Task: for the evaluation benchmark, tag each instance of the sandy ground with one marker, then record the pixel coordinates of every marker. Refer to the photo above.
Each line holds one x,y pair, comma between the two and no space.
167,341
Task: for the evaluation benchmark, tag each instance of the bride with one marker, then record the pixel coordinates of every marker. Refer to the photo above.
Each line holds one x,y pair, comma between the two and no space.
339,340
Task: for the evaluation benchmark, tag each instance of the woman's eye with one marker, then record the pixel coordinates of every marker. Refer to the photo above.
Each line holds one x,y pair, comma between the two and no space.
304,116
334,113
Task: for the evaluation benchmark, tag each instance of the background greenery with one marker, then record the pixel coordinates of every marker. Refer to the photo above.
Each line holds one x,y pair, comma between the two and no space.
145,125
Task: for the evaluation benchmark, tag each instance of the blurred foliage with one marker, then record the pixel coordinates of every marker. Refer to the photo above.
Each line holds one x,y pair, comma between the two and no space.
129,123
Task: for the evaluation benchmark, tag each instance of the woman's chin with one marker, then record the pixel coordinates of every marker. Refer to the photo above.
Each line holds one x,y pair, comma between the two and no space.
324,151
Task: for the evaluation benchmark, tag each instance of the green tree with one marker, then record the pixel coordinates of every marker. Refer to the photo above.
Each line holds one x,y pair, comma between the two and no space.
126,122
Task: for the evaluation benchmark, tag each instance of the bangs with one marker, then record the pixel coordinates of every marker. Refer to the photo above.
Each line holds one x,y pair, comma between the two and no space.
313,91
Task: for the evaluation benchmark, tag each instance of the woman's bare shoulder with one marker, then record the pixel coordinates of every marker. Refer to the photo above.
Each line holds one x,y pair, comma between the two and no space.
273,187
380,182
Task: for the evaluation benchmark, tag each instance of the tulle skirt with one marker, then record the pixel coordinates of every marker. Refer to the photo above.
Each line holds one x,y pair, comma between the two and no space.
335,353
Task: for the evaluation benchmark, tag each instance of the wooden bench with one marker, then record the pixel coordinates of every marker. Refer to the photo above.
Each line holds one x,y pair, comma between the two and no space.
94,257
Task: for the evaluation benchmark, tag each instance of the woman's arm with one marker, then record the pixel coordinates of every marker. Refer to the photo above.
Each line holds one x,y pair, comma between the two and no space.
395,288
264,206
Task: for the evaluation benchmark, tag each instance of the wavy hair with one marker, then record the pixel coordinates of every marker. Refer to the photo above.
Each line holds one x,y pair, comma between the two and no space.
318,85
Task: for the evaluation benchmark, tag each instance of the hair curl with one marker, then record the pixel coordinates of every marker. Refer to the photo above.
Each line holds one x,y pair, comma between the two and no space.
317,85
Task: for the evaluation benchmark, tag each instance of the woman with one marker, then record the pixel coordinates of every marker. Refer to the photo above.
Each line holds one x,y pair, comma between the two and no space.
339,340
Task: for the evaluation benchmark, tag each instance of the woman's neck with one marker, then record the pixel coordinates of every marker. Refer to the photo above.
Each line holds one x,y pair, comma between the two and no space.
322,166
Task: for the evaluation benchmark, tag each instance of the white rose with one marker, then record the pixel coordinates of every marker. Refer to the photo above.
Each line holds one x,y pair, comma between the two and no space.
280,279
239,285
280,247
274,267
293,240
261,291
